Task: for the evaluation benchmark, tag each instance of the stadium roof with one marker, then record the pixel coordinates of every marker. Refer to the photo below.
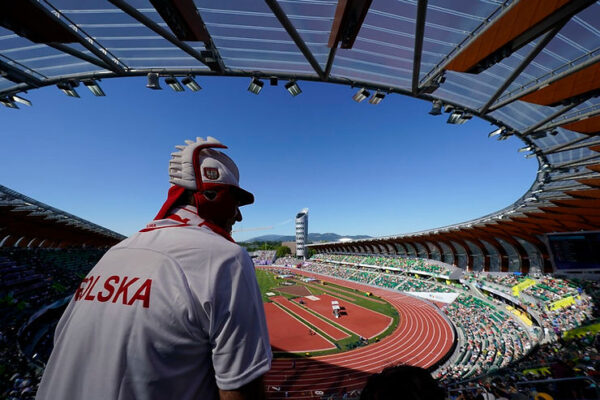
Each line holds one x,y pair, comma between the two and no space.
25,222
530,67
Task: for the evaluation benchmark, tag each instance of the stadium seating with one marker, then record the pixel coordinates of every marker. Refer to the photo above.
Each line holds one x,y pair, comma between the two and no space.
30,279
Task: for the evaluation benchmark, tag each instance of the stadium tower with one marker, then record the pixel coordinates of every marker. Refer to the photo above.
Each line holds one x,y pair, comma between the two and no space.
301,233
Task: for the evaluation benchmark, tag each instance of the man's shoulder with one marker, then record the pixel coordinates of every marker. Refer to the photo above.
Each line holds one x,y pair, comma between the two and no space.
183,242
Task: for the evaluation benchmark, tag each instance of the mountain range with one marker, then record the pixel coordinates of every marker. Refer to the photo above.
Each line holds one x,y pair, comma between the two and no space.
312,237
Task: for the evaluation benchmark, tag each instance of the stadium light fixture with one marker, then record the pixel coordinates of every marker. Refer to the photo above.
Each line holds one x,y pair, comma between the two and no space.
21,100
8,102
191,84
524,149
68,88
174,84
153,82
465,117
436,108
361,95
377,98
94,87
459,117
530,155
293,88
496,132
255,86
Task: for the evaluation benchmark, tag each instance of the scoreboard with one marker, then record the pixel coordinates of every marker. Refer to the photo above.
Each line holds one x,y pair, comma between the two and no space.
575,251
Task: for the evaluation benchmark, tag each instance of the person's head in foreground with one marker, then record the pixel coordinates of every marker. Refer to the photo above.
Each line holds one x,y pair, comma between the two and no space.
207,179
403,382
174,311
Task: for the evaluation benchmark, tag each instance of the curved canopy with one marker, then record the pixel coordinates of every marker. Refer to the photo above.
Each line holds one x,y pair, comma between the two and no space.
27,222
531,67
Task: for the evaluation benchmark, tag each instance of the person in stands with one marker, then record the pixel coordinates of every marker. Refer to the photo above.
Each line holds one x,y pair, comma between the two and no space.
174,311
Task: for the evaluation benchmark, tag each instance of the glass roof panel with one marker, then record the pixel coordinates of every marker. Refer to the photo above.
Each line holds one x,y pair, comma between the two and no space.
313,22
136,45
575,43
449,24
385,41
248,32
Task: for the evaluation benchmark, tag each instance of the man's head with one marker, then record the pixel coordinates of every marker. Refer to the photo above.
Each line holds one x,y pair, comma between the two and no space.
208,179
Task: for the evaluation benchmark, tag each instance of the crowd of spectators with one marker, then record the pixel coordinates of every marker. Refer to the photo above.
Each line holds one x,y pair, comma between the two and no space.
565,369
541,297
490,338
410,264
288,261
263,257
29,280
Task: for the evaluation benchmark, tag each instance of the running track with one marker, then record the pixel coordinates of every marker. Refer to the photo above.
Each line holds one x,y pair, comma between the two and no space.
422,338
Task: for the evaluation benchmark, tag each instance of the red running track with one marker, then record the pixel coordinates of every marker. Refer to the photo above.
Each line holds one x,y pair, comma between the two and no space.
359,320
422,338
288,334
324,326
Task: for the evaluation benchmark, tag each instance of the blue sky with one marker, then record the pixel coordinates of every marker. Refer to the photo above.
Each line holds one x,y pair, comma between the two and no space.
359,168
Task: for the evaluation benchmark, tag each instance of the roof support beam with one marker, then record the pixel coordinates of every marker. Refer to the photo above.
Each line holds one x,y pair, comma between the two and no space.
349,17
17,75
86,41
291,30
185,22
78,54
572,145
578,163
418,50
441,66
330,59
526,61
576,118
549,118
553,78
134,13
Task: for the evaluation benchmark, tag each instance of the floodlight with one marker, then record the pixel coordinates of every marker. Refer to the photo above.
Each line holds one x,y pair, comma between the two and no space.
361,95
256,86
465,117
21,100
377,97
153,82
191,84
448,108
436,108
7,102
174,84
293,88
532,198
459,117
93,86
554,132
524,149
68,88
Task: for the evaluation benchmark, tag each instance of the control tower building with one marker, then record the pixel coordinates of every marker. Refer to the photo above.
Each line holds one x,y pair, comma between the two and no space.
301,233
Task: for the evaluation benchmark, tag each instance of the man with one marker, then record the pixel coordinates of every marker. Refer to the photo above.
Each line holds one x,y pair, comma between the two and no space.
174,311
